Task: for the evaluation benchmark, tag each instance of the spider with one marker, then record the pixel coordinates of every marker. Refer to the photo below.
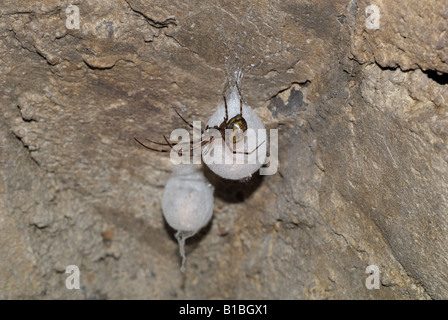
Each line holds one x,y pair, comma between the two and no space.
237,124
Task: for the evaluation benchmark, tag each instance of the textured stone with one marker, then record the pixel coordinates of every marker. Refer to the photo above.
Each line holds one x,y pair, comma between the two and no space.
411,35
362,119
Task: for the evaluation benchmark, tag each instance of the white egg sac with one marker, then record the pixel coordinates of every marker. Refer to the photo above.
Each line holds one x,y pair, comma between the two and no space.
187,203
240,165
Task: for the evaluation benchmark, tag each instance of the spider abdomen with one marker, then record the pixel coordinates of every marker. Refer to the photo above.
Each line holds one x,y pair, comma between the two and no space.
239,125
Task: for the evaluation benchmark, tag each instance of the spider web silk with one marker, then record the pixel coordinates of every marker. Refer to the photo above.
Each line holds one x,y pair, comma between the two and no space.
181,236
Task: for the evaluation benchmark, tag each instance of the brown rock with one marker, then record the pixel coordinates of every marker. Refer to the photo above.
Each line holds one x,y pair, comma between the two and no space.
361,114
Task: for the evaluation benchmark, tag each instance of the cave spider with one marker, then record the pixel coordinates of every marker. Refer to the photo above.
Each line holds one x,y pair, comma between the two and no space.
237,124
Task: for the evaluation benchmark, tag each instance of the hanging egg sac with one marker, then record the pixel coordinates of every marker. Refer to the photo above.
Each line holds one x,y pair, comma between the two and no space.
187,203
248,140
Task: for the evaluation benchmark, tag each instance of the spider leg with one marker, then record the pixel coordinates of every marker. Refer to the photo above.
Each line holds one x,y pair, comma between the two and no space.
179,153
171,145
159,143
245,152
142,144
209,146
166,144
238,88
162,150
188,123
226,118
211,138
241,98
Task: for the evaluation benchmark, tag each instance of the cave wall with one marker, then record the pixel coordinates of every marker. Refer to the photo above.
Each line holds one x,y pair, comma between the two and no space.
362,120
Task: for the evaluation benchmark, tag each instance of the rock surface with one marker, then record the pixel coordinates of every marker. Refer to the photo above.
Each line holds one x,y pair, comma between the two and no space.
362,119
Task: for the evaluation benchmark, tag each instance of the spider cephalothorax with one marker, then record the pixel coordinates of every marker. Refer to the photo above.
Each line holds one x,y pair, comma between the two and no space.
237,124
